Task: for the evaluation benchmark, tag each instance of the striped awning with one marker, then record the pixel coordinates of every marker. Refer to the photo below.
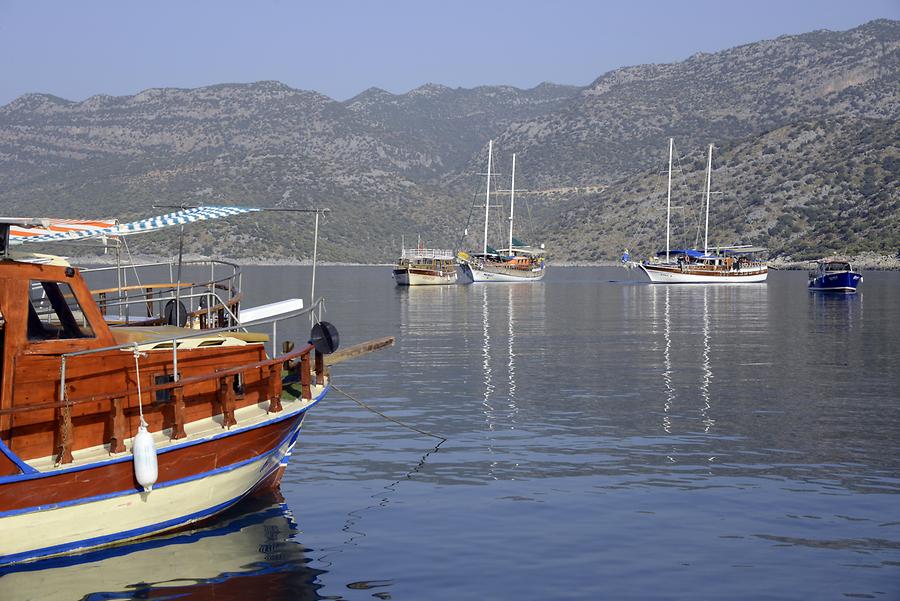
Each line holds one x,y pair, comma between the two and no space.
64,230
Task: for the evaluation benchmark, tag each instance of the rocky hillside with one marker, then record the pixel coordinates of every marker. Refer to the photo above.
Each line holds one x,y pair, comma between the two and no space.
621,122
404,164
805,190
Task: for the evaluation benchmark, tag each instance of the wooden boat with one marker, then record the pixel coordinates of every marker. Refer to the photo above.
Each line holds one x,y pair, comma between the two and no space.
517,262
112,434
425,267
834,275
712,265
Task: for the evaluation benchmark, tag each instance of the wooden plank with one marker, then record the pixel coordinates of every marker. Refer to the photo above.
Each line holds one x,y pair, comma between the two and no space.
117,415
358,350
305,377
226,399
320,368
178,413
64,436
274,388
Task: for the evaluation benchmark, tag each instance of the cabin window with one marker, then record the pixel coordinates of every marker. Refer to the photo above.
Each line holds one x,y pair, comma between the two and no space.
54,313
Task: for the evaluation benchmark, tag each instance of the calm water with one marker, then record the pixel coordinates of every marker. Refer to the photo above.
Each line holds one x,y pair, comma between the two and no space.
605,440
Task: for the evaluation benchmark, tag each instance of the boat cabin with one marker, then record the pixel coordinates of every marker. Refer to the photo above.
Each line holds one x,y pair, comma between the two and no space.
69,382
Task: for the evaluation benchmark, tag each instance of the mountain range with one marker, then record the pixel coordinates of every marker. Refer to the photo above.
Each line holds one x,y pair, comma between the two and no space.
804,128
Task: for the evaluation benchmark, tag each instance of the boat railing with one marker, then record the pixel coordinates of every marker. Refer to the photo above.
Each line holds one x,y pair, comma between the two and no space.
210,302
272,368
426,253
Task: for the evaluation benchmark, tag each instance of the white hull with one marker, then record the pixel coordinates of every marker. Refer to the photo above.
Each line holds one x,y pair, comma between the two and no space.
473,274
405,277
663,275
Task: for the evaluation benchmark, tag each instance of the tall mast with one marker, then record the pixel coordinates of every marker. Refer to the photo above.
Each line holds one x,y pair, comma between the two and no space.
708,180
487,196
669,198
512,202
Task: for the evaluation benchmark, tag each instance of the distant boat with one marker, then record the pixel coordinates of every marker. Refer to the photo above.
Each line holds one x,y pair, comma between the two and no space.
518,262
833,275
425,267
712,265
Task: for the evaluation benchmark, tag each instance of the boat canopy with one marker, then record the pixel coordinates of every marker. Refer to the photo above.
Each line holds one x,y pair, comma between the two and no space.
690,252
739,249
64,230
834,265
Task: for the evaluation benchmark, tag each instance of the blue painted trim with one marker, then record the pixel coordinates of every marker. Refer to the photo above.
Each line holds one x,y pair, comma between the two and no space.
131,491
33,474
24,467
109,539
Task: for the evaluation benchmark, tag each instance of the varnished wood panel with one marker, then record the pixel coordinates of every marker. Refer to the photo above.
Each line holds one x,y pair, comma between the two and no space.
173,465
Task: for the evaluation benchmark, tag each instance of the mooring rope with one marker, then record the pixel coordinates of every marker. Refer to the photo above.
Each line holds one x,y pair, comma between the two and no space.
387,417
137,371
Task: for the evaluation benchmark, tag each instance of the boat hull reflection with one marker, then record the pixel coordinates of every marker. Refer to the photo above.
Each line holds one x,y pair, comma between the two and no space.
246,553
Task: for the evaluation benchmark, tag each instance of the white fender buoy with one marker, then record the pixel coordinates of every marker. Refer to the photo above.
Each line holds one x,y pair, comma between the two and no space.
144,450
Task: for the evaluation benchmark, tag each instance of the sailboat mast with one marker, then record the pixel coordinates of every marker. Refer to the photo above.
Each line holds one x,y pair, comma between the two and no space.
669,198
512,202
487,196
708,181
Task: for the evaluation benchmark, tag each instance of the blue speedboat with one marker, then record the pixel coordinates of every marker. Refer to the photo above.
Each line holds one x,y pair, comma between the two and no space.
834,276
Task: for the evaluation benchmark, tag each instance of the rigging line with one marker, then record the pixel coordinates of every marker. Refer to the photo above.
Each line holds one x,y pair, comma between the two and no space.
355,516
131,260
387,417
462,236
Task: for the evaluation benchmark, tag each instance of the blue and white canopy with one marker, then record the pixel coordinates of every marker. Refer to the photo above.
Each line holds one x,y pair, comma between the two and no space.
65,230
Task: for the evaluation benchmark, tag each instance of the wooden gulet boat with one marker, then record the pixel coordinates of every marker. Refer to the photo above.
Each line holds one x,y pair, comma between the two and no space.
75,395
425,267
712,265
516,263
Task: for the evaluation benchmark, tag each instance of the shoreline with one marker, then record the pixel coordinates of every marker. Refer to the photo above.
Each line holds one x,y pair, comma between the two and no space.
863,261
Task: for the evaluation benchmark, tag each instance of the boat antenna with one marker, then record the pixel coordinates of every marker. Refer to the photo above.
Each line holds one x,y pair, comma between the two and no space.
669,198
487,196
708,181
512,202
312,292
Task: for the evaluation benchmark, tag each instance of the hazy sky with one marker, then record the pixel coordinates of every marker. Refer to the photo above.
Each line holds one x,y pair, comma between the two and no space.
76,49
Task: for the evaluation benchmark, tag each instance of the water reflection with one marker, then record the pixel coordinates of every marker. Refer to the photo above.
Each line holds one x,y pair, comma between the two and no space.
707,370
246,553
691,308
667,365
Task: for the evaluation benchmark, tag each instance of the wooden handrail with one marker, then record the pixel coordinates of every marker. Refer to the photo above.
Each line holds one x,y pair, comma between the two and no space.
232,371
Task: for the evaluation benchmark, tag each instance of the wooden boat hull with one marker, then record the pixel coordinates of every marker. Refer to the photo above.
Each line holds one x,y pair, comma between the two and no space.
98,504
424,277
673,274
501,274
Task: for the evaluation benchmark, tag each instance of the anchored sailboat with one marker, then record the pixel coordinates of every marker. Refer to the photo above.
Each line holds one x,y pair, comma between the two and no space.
518,262
713,265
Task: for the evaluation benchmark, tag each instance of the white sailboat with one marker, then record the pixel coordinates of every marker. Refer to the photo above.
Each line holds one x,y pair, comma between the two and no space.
517,262
714,265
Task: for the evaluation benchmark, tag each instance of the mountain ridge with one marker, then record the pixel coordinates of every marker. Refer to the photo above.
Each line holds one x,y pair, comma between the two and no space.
392,164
